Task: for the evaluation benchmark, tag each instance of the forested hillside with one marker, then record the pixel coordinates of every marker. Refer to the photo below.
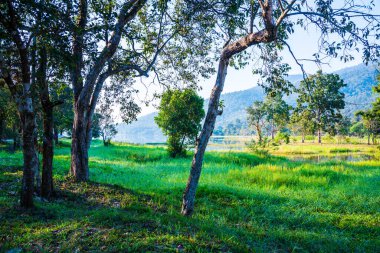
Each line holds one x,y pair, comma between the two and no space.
360,79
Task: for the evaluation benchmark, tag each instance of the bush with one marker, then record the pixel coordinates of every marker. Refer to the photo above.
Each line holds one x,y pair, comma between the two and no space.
282,137
259,147
328,138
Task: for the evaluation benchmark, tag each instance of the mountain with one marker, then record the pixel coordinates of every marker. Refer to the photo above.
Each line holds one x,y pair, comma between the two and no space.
360,80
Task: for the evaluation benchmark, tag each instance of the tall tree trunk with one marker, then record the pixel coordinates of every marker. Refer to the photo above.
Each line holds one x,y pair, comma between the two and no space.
319,136
21,93
260,135
208,127
264,36
47,188
79,145
29,132
36,174
303,138
47,110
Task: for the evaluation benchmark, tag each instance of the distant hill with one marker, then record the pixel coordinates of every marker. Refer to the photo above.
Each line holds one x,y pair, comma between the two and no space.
360,80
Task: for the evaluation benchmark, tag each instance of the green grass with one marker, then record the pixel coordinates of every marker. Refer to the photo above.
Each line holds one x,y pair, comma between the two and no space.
245,203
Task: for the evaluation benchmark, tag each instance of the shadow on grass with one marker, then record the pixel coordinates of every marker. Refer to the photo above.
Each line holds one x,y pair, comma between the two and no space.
101,217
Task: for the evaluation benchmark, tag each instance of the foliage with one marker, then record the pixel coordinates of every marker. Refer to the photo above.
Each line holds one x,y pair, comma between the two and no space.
106,119
63,113
256,118
282,137
371,122
358,129
320,99
9,120
179,117
278,113
259,147
269,116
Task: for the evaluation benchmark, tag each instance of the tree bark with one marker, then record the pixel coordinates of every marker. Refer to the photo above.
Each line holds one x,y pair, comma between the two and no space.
303,138
272,132
15,137
259,134
29,132
79,146
319,136
56,140
47,188
47,110
201,144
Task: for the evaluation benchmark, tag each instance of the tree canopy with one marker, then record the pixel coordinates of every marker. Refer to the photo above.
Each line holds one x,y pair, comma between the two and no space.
179,116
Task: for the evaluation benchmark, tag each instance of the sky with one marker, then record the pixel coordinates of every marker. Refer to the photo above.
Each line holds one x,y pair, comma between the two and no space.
304,44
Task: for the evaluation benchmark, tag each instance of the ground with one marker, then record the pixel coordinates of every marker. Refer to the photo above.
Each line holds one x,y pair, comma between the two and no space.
245,203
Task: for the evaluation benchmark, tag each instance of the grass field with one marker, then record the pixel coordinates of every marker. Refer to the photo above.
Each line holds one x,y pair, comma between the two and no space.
245,203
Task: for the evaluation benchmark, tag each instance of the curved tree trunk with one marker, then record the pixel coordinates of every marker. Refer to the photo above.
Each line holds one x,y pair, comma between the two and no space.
264,36
201,144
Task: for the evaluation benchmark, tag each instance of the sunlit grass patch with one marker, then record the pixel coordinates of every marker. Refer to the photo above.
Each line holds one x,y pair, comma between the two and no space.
244,203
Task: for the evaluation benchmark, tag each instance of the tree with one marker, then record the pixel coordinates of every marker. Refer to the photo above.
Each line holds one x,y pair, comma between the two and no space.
107,126
358,129
343,126
256,118
321,97
302,122
151,31
278,113
179,117
371,121
275,21
19,83
32,38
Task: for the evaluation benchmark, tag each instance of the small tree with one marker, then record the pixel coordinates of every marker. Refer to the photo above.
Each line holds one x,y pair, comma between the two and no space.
107,128
302,122
256,117
358,129
320,95
371,121
104,124
278,113
179,117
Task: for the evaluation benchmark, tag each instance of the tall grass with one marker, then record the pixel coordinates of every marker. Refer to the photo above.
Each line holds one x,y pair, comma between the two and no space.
245,203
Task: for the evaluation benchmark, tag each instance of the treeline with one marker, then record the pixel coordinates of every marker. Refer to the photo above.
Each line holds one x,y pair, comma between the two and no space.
318,112
62,54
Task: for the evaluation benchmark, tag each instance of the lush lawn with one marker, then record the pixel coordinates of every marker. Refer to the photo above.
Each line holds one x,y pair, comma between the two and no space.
244,203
